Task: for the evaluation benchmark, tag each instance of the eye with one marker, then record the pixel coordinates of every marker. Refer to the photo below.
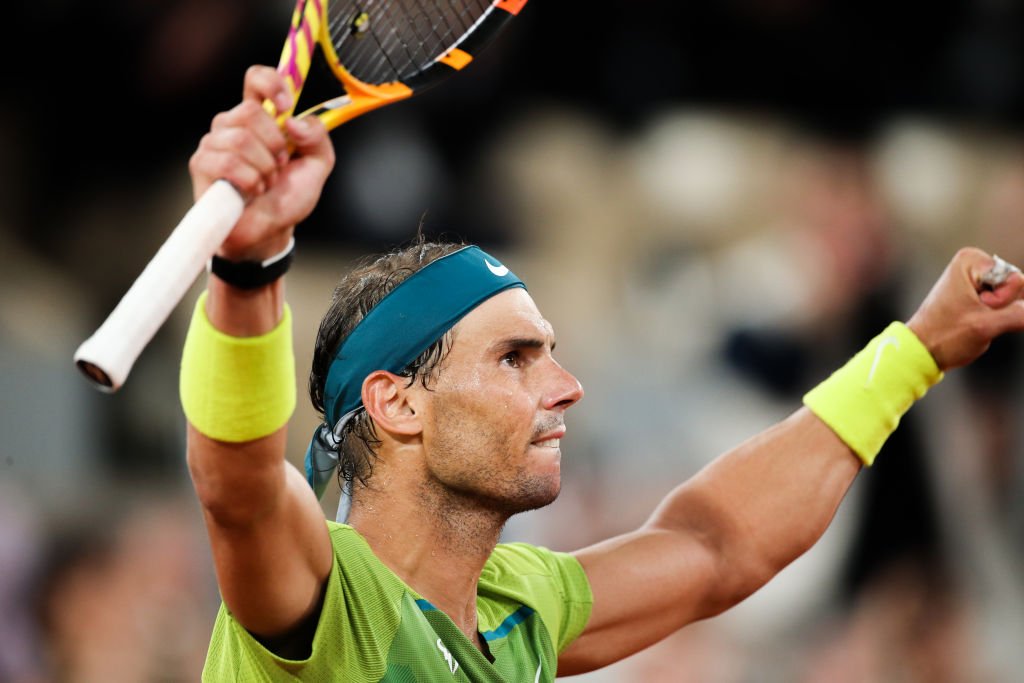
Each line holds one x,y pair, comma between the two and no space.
512,359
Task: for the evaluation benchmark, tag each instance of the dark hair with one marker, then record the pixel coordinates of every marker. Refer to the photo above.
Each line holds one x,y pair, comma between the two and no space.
355,295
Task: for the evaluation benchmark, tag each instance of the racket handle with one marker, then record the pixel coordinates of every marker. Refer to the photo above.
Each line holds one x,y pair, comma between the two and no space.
108,355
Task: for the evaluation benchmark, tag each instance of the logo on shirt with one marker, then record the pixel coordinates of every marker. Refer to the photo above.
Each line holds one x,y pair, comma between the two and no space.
452,664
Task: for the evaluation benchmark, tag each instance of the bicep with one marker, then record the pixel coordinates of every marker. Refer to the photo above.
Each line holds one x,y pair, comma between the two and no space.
646,584
270,544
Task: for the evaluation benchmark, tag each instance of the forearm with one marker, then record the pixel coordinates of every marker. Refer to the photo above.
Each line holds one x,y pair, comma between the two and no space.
763,504
238,482
766,502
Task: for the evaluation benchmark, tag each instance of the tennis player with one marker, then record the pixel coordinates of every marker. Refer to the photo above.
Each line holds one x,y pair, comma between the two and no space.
444,409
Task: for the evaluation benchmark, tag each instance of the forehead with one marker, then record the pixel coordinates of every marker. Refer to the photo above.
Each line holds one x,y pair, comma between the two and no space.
511,313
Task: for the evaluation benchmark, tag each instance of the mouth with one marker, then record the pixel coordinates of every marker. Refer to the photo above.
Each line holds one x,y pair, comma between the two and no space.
552,439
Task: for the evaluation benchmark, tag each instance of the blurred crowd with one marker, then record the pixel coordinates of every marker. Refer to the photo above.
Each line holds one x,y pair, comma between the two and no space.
715,206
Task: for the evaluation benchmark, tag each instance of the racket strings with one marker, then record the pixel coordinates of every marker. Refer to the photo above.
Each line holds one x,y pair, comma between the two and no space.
389,40
404,49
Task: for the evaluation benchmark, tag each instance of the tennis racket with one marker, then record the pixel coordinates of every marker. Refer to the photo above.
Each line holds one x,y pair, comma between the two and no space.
381,52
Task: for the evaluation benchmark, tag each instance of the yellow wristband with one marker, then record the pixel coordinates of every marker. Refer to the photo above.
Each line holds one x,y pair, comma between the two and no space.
863,401
237,388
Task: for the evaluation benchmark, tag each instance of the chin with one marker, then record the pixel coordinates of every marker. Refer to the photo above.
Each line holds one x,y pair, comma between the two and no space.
537,494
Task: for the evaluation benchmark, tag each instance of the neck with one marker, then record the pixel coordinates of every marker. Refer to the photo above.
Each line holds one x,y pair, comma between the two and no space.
434,539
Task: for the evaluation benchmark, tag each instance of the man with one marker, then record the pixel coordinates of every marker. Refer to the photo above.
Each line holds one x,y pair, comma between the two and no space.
444,407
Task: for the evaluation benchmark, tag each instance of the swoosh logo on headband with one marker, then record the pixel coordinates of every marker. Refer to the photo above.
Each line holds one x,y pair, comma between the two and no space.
500,271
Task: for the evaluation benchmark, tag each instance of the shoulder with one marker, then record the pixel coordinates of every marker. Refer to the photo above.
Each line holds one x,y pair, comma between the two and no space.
523,558
522,564
551,583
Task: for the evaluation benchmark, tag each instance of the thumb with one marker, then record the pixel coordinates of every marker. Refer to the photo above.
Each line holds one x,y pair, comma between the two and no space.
1009,318
310,137
996,281
1003,294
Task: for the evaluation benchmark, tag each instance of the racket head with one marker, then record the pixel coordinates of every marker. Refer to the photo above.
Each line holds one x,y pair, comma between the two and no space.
383,51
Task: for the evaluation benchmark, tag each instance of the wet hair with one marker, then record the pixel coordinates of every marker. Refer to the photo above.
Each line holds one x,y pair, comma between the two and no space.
354,297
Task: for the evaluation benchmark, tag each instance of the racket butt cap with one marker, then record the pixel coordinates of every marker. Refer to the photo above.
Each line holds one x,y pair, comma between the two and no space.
96,376
102,370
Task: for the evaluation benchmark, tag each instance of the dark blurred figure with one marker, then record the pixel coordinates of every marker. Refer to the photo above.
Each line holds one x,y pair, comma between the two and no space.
126,595
859,291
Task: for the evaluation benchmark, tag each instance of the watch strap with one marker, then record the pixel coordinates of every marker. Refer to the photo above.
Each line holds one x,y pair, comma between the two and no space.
253,274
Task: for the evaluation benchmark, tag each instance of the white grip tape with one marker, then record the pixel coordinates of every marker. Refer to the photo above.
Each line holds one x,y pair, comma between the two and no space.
114,347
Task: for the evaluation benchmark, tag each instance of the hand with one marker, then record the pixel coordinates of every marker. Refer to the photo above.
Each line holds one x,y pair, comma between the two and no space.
960,317
247,148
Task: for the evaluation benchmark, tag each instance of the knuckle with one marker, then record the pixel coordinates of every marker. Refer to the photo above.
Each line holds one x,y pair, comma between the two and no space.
220,120
249,110
226,165
236,138
205,142
968,253
199,160
243,177
256,71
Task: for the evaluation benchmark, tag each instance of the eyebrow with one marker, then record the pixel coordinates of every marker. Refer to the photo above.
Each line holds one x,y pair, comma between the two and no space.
513,343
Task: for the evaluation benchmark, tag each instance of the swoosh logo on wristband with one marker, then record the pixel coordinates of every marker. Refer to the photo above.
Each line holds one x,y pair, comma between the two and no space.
882,346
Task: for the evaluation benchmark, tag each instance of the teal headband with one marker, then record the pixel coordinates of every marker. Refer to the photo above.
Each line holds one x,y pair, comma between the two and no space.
410,318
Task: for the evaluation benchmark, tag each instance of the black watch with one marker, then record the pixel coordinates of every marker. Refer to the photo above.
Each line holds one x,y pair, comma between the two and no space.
253,274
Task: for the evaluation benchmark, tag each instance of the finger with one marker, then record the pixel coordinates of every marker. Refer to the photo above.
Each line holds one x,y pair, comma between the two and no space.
248,114
250,117
229,165
247,145
265,83
1008,319
974,263
998,273
1003,294
986,271
310,138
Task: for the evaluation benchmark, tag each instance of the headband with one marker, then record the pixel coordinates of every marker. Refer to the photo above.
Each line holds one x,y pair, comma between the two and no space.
414,315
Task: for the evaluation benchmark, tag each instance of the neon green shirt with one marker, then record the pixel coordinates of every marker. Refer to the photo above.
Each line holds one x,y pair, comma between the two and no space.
531,603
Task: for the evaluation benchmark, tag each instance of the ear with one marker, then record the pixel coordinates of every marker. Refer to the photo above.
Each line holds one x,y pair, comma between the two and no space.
386,398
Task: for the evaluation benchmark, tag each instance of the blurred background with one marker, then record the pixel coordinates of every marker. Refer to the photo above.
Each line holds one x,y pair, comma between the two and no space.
715,204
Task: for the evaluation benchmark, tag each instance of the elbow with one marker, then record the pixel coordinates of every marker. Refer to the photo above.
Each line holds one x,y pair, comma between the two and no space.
740,561
745,567
736,582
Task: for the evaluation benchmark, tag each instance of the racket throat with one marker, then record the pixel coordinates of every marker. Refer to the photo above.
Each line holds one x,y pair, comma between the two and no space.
360,99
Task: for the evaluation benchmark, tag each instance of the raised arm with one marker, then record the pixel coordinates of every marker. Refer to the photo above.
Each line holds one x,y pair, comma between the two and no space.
270,544
723,534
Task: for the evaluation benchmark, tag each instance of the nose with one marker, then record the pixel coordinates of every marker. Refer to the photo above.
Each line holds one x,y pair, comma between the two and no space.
565,389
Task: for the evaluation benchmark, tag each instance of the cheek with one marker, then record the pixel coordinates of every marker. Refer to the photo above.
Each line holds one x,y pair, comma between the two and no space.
491,397
488,420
